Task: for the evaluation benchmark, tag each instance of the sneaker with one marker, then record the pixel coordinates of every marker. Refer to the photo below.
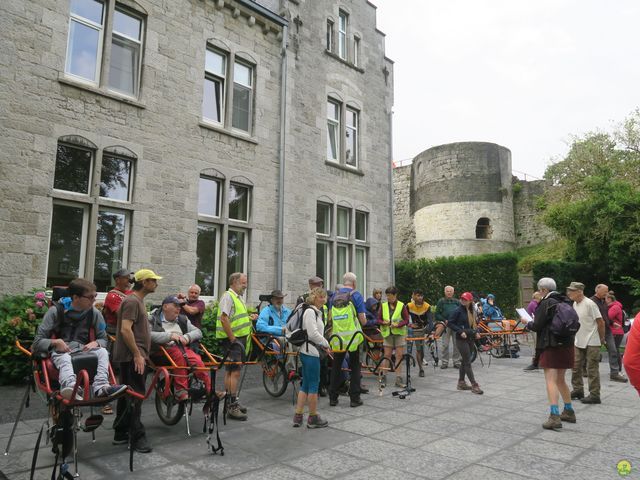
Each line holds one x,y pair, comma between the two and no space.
111,390
463,386
120,438
181,396
475,388
235,413
297,419
333,401
421,373
443,366
355,402
568,416
591,399
314,421
575,395
552,423
424,362
66,393
530,368
618,377
400,383
142,445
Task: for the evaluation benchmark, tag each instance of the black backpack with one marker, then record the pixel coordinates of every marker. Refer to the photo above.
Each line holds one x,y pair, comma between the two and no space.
295,333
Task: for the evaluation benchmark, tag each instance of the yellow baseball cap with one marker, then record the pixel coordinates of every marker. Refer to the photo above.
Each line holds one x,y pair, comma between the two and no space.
146,274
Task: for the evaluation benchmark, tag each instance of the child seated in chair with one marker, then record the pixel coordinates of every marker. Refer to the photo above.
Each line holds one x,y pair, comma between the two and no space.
74,326
174,331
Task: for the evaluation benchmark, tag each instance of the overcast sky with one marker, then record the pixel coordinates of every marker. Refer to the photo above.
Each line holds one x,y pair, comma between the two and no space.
526,74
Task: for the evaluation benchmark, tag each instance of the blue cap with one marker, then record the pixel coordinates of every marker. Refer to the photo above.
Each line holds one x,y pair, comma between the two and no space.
172,299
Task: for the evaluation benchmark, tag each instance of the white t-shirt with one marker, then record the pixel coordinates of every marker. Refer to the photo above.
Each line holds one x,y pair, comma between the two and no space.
588,313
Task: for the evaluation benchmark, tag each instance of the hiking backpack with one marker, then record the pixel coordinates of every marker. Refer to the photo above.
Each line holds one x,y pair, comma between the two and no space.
295,333
565,321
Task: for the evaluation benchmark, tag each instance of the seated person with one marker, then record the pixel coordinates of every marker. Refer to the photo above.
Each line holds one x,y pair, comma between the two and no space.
272,321
174,331
372,307
491,311
61,336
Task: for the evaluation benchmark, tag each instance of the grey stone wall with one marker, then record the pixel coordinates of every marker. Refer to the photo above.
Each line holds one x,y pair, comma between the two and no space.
162,127
530,230
403,228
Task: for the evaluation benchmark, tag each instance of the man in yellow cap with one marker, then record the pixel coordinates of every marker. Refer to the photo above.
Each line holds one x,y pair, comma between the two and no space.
131,351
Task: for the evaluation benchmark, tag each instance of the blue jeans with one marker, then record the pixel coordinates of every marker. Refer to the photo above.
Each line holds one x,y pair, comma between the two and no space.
310,374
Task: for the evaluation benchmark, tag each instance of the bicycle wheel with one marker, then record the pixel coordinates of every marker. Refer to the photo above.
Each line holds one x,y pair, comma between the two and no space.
474,353
274,376
169,411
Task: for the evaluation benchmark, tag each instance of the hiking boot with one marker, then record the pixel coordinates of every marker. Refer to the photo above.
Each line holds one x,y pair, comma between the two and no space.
421,373
322,391
552,423
591,399
297,419
463,386
443,366
364,390
142,445
242,408
530,368
456,365
400,383
120,438
333,401
568,416
475,388
314,421
235,413
355,402
618,377
181,396
111,390
575,395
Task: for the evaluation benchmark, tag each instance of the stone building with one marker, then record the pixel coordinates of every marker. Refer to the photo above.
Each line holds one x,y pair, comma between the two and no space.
197,138
459,199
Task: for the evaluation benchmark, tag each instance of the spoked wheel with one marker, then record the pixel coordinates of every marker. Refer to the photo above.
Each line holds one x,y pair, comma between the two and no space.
274,376
498,350
169,411
372,358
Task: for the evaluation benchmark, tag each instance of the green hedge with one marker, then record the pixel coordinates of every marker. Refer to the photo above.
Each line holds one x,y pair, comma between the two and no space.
497,274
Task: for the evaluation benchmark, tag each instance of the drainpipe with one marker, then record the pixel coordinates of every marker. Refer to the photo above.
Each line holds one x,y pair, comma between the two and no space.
283,121
393,265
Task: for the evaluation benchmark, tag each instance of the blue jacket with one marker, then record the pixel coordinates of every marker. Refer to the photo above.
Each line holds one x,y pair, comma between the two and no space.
270,322
459,321
492,312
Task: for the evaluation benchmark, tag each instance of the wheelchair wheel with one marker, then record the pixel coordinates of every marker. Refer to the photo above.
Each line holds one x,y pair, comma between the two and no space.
169,411
274,376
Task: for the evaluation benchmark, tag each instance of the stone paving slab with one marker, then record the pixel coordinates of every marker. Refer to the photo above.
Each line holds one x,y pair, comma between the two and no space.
436,433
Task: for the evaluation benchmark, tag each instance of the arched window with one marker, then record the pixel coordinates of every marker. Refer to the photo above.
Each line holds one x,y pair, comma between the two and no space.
483,228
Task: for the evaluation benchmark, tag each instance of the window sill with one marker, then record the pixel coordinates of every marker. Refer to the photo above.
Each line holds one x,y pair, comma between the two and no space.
343,61
231,133
98,91
340,166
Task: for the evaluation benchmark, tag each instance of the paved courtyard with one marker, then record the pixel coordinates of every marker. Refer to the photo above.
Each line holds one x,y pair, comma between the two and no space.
436,433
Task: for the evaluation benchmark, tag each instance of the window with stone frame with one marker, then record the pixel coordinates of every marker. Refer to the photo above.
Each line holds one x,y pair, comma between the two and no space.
351,138
75,249
343,26
330,35
483,228
343,126
341,248
213,98
334,114
87,48
356,50
242,96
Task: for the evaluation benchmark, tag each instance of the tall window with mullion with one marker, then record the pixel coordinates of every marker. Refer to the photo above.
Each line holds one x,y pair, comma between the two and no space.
362,220
67,242
361,267
330,30
111,246
239,202
214,86
333,130
126,48
343,222
209,194
74,167
237,251
115,178
207,249
351,138
343,24
242,96
342,261
84,46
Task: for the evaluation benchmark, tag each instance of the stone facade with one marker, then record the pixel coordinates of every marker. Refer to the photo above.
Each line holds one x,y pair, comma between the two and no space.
451,188
163,133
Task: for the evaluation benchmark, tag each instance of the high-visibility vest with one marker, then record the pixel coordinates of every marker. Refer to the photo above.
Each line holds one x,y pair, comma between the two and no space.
396,318
345,325
240,322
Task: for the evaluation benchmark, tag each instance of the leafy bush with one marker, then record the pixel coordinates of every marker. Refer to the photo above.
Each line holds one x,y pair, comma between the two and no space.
209,328
19,318
497,274
564,273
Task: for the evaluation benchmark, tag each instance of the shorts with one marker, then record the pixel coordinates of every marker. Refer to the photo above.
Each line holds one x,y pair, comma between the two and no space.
416,333
395,341
235,354
310,374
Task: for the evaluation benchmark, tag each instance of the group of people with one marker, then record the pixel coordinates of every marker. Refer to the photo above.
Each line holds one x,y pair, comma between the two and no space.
601,323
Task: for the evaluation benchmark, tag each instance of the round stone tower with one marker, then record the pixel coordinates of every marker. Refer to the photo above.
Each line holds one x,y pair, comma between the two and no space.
461,200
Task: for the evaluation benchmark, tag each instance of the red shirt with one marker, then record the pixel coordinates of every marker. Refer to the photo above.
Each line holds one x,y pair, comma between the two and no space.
631,358
112,304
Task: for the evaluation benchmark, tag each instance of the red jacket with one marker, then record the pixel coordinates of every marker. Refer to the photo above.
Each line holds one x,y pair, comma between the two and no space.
615,318
631,358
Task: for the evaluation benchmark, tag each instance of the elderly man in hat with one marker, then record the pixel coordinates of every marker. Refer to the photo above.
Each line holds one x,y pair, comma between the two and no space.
588,340
175,332
272,320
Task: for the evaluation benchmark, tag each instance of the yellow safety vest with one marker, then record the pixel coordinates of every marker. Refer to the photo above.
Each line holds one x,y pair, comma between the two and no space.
240,322
395,319
345,325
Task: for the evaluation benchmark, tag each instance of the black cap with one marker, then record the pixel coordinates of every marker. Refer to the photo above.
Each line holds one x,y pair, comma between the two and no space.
123,272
